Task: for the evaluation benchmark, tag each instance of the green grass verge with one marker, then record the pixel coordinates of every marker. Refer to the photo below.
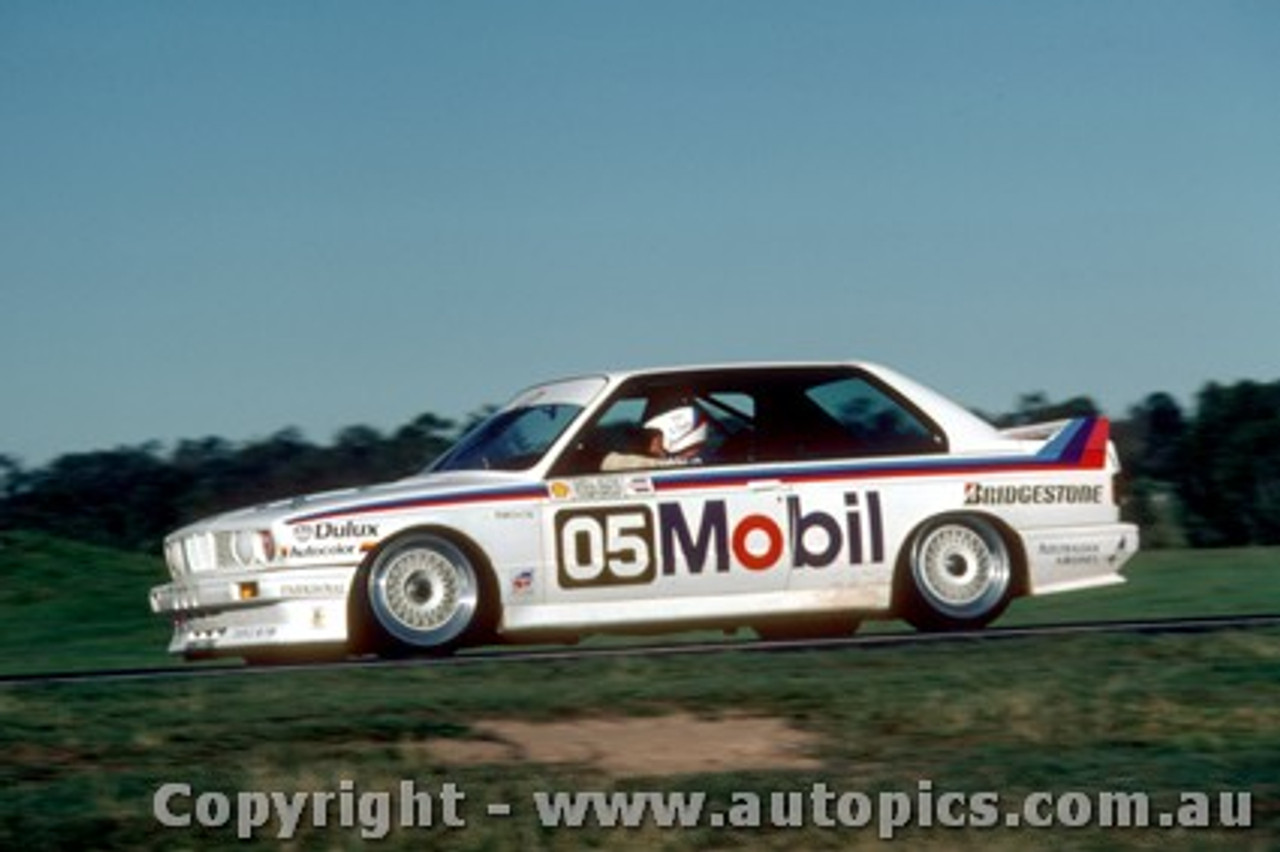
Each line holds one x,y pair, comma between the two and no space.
65,605
1155,714
1168,584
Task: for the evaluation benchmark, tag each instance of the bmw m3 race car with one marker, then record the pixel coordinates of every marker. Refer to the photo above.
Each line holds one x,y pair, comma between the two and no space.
794,499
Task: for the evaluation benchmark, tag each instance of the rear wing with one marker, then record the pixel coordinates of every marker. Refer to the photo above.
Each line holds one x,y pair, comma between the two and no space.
1035,431
1078,442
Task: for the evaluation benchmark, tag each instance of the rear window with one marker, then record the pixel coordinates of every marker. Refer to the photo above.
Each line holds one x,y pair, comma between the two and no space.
873,422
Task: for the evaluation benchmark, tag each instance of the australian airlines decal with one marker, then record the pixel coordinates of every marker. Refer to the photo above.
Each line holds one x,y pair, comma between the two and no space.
633,545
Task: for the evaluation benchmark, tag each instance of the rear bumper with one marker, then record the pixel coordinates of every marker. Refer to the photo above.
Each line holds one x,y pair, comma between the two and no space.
1061,559
233,612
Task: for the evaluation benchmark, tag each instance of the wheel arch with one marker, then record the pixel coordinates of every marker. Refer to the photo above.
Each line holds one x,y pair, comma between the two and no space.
363,632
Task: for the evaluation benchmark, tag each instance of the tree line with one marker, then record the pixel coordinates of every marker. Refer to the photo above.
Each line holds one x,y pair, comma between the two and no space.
131,497
1204,477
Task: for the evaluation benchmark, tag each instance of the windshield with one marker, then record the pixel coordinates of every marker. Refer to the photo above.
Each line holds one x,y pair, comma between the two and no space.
512,439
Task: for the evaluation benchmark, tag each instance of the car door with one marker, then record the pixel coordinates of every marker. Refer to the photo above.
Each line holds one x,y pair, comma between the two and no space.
698,531
847,504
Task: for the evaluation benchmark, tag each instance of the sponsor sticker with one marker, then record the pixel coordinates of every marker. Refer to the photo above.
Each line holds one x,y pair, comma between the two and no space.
599,488
250,633
333,529
632,545
522,583
323,551
602,488
978,494
638,485
1072,553
313,590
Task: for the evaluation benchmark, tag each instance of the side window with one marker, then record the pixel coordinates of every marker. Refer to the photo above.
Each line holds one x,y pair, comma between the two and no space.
717,429
732,438
734,409
871,421
733,414
620,428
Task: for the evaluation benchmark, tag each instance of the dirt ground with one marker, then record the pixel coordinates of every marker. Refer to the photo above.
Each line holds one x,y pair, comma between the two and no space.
675,744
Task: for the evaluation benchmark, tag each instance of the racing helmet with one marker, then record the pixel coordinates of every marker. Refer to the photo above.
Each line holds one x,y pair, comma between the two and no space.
682,429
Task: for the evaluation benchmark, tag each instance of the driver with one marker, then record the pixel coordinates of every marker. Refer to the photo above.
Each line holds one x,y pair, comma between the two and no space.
675,438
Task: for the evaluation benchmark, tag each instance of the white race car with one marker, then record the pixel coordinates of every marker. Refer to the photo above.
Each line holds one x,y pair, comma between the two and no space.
794,499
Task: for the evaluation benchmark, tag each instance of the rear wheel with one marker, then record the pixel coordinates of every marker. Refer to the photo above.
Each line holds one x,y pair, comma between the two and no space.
424,593
959,575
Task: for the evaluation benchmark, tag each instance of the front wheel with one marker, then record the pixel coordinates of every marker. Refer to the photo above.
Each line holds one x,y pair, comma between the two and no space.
959,575
424,593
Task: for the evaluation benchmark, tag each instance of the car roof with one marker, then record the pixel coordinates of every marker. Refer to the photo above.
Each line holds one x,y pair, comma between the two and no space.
965,430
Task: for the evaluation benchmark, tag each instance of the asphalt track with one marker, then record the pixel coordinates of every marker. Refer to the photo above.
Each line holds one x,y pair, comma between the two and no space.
511,655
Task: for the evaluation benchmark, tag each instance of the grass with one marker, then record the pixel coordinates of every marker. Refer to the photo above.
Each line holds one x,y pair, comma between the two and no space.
1169,584
1091,713
1087,713
65,605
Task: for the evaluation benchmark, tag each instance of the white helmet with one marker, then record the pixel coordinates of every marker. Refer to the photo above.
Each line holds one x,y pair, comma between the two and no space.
682,429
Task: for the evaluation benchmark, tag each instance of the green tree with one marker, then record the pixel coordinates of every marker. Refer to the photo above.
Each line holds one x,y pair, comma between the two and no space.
417,443
1229,481
11,476
1151,439
126,497
1151,442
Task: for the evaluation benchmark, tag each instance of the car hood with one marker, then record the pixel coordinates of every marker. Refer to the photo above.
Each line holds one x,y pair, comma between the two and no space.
418,490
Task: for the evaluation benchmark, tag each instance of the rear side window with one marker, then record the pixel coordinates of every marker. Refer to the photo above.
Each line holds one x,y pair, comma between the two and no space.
872,421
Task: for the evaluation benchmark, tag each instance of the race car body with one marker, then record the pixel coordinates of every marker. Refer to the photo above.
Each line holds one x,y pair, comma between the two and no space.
795,499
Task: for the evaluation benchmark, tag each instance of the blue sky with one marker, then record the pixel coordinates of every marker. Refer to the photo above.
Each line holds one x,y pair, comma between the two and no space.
228,218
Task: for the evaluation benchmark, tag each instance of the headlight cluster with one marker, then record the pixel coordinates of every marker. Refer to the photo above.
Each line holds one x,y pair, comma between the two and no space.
253,547
176,558
210,551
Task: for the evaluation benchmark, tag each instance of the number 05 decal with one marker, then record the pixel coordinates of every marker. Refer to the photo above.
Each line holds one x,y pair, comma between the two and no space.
605,547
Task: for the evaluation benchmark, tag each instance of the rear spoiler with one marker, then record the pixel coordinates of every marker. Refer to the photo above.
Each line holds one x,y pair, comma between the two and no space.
1035,431
1078,442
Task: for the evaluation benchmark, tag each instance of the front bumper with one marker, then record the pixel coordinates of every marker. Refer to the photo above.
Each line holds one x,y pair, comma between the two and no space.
232,613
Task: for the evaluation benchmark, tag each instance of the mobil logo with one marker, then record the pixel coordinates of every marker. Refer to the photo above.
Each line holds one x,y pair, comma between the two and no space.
715,539
634,545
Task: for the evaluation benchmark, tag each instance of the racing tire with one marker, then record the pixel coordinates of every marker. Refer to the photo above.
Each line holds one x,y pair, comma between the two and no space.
959,575
422,593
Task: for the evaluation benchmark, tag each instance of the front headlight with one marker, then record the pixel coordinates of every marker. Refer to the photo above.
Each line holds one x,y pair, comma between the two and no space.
196,555
266,544
173,554
242,547
253,547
